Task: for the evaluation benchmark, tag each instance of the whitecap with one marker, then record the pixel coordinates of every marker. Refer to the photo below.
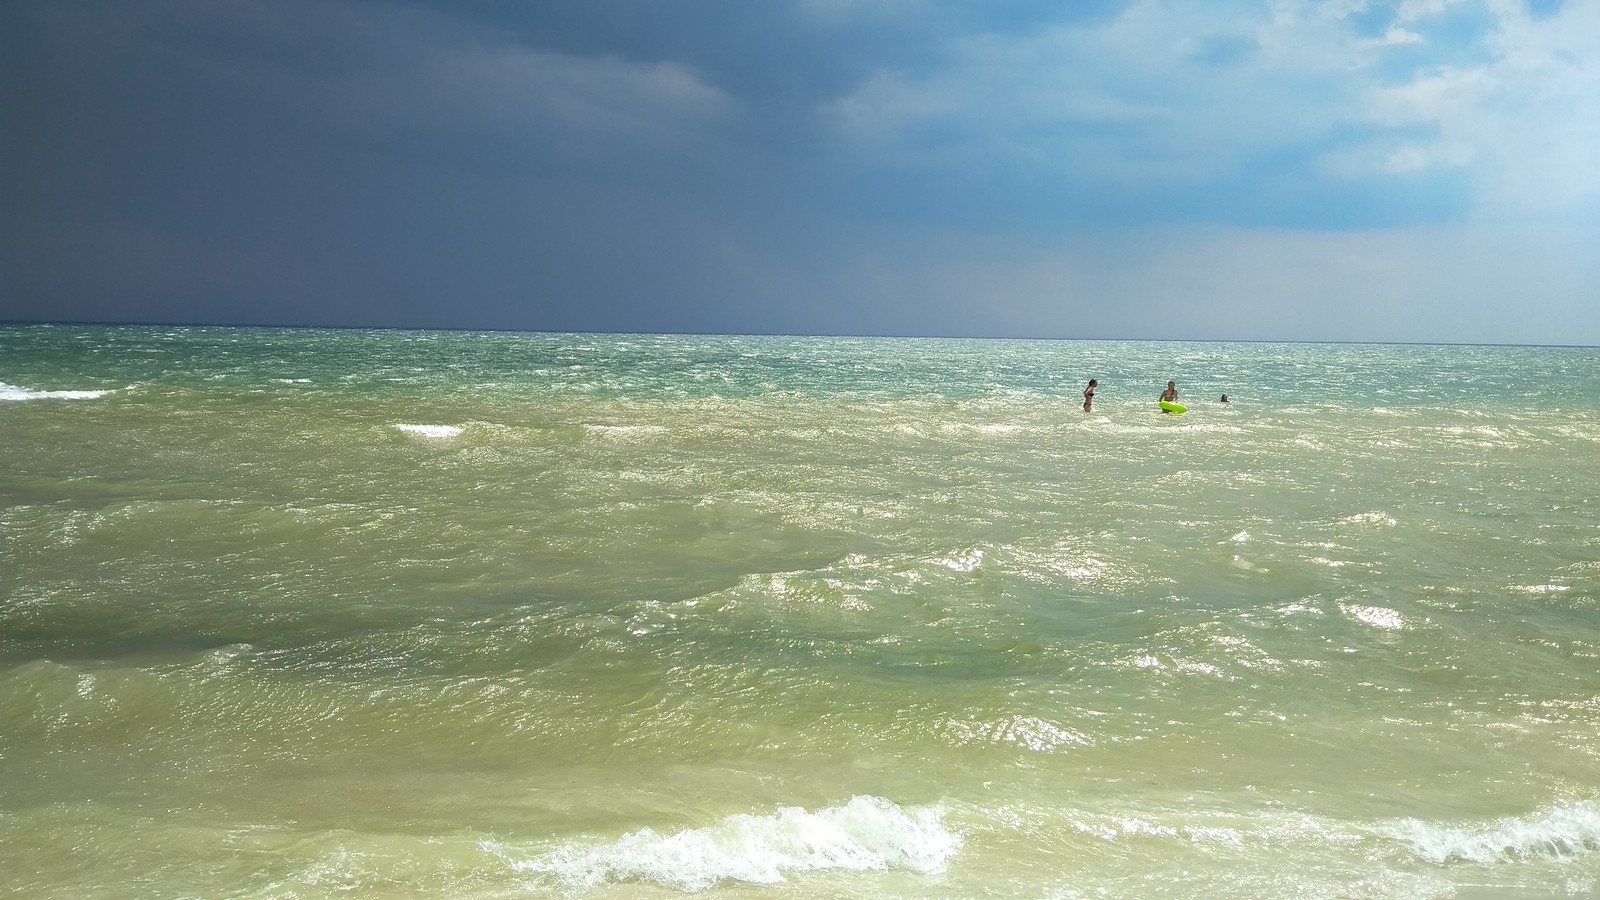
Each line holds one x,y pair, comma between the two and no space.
432,431
866,834
965,561
623,429
12,392
1376,616
1564,832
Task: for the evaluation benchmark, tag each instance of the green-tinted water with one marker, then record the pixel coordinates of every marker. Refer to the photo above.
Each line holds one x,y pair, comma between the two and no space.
301,613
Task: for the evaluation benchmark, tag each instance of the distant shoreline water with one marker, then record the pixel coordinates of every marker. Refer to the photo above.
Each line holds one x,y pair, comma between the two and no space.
24,323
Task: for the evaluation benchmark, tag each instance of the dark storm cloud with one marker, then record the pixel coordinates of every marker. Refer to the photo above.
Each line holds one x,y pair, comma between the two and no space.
899,166
346,163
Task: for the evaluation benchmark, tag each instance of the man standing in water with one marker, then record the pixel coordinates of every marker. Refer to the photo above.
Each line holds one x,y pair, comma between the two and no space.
1088,395
1170,395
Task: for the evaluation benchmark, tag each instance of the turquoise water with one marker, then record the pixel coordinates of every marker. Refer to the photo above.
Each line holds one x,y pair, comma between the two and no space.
292,613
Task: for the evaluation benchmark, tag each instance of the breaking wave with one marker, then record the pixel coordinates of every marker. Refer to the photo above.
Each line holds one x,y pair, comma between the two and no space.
12,392
865,834
1564,832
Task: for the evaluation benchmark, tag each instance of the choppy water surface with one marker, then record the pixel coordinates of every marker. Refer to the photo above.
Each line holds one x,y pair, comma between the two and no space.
313,613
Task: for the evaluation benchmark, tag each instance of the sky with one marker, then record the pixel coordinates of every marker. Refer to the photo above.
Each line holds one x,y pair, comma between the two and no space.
1320,170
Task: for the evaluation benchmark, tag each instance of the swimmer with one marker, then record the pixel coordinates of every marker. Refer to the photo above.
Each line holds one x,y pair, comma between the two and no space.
1224,398
1088,395
1170,395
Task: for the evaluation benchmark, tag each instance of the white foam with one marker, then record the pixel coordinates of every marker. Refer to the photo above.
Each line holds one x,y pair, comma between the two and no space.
1564,832
1376,616
433,431
12,392
965,561
866,834
969,428
1539,588
624,429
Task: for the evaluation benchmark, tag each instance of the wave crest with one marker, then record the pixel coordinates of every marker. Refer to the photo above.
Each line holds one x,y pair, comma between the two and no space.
431,431
865,834
1564,832
12,392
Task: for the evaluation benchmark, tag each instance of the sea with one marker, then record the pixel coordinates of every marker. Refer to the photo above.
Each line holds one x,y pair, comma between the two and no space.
295,613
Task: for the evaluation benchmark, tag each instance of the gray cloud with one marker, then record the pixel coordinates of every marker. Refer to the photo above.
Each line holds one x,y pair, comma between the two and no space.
836,166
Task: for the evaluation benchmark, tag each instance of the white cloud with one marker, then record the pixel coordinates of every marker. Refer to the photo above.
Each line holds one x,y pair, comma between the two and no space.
1407,158
1525,122
1398,37
1541,124
1121,100
1418,10
1126,100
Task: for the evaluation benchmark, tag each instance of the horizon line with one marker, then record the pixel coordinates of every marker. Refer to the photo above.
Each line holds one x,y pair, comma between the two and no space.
7,323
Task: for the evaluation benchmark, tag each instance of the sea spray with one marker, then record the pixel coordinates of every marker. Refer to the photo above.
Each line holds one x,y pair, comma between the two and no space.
1563,832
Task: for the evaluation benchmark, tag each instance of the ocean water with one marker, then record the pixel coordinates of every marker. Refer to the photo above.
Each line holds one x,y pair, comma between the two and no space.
299,613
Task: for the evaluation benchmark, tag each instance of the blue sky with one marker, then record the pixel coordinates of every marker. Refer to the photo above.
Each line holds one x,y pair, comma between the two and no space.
1330,170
